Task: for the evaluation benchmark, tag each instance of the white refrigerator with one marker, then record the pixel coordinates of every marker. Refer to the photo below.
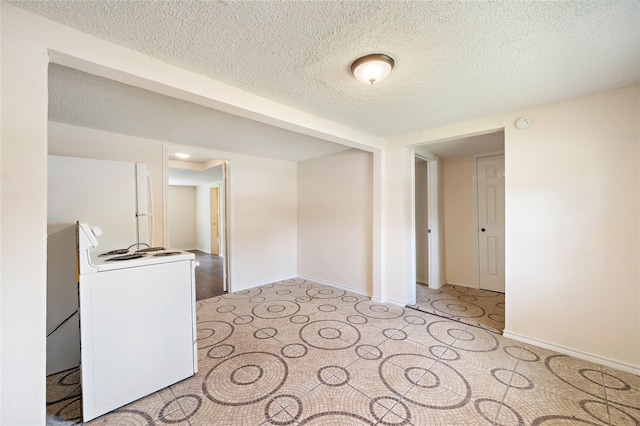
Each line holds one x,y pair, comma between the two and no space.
115,195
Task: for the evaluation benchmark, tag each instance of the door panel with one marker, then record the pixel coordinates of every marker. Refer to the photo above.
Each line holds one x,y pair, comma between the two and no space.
491,252
215,216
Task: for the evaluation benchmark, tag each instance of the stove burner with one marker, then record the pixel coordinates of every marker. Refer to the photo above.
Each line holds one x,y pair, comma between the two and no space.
150,249
112,252
167,253
126,257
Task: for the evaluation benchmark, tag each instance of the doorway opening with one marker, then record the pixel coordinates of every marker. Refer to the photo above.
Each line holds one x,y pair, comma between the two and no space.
456,209
196,212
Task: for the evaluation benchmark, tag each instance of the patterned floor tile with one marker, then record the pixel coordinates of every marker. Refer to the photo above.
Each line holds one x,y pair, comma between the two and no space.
526,406
329,405
622,389
297,352
480,308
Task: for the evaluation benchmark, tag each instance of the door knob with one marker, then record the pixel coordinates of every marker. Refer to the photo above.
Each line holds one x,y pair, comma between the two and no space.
482,229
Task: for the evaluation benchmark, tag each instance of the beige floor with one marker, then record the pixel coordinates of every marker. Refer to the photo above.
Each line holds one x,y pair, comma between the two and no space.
301,353
480,308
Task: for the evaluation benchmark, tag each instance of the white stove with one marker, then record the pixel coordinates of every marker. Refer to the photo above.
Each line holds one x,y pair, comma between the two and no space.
135,305
93,259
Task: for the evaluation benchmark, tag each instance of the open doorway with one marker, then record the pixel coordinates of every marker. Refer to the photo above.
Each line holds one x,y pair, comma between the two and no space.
469,188
196,214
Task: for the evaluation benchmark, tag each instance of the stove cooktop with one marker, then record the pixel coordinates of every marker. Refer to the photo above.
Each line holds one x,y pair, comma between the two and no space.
125,257
167,253
150,249
114,252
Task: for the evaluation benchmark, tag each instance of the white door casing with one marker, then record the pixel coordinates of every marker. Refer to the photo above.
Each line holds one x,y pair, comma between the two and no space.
433,221
422,222
491,218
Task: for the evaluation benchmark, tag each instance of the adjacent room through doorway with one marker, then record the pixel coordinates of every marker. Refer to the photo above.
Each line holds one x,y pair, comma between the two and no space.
196,215
463,202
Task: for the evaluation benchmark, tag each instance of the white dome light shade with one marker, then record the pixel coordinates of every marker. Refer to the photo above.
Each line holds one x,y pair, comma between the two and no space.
372,69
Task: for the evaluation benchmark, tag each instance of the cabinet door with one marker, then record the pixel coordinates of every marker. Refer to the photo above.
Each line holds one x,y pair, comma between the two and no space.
136,330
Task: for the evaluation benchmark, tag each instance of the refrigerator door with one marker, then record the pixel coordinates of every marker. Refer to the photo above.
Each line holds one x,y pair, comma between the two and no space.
99,192
94,191
144,205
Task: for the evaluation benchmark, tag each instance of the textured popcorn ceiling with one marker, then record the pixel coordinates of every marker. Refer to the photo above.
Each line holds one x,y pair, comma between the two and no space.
455,61
85,100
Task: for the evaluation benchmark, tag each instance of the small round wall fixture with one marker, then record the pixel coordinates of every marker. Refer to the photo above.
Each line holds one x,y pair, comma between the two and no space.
523,122
372,69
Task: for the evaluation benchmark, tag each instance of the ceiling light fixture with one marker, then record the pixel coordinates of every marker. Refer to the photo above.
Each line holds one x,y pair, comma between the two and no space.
182,156
372,69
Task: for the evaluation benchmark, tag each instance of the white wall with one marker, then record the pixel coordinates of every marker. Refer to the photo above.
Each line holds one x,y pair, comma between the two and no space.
422,224
572,233
264,221
458,221
23,219
399,231
335,201
182,217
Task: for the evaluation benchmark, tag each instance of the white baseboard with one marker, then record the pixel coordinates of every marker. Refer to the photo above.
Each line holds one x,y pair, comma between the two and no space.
461,284
357,291
421,281
340,286
396,302
258,284
619,365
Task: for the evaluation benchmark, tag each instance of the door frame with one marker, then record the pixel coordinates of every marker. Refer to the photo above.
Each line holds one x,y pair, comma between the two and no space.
433,220
227,207
476,246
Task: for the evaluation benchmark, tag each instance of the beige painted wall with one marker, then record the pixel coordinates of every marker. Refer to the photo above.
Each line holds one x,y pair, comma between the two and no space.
335,201
572,232
264,221
181,212
458,221
422,228
23,221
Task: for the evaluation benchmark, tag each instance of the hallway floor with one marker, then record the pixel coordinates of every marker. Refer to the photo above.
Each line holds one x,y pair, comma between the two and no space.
300,353
209,279
480,308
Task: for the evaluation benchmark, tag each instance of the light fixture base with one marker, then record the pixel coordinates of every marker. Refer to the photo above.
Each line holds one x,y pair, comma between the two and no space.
372,69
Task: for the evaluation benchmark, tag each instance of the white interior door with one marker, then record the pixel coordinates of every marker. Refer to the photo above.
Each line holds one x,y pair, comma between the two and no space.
214,212
491,257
